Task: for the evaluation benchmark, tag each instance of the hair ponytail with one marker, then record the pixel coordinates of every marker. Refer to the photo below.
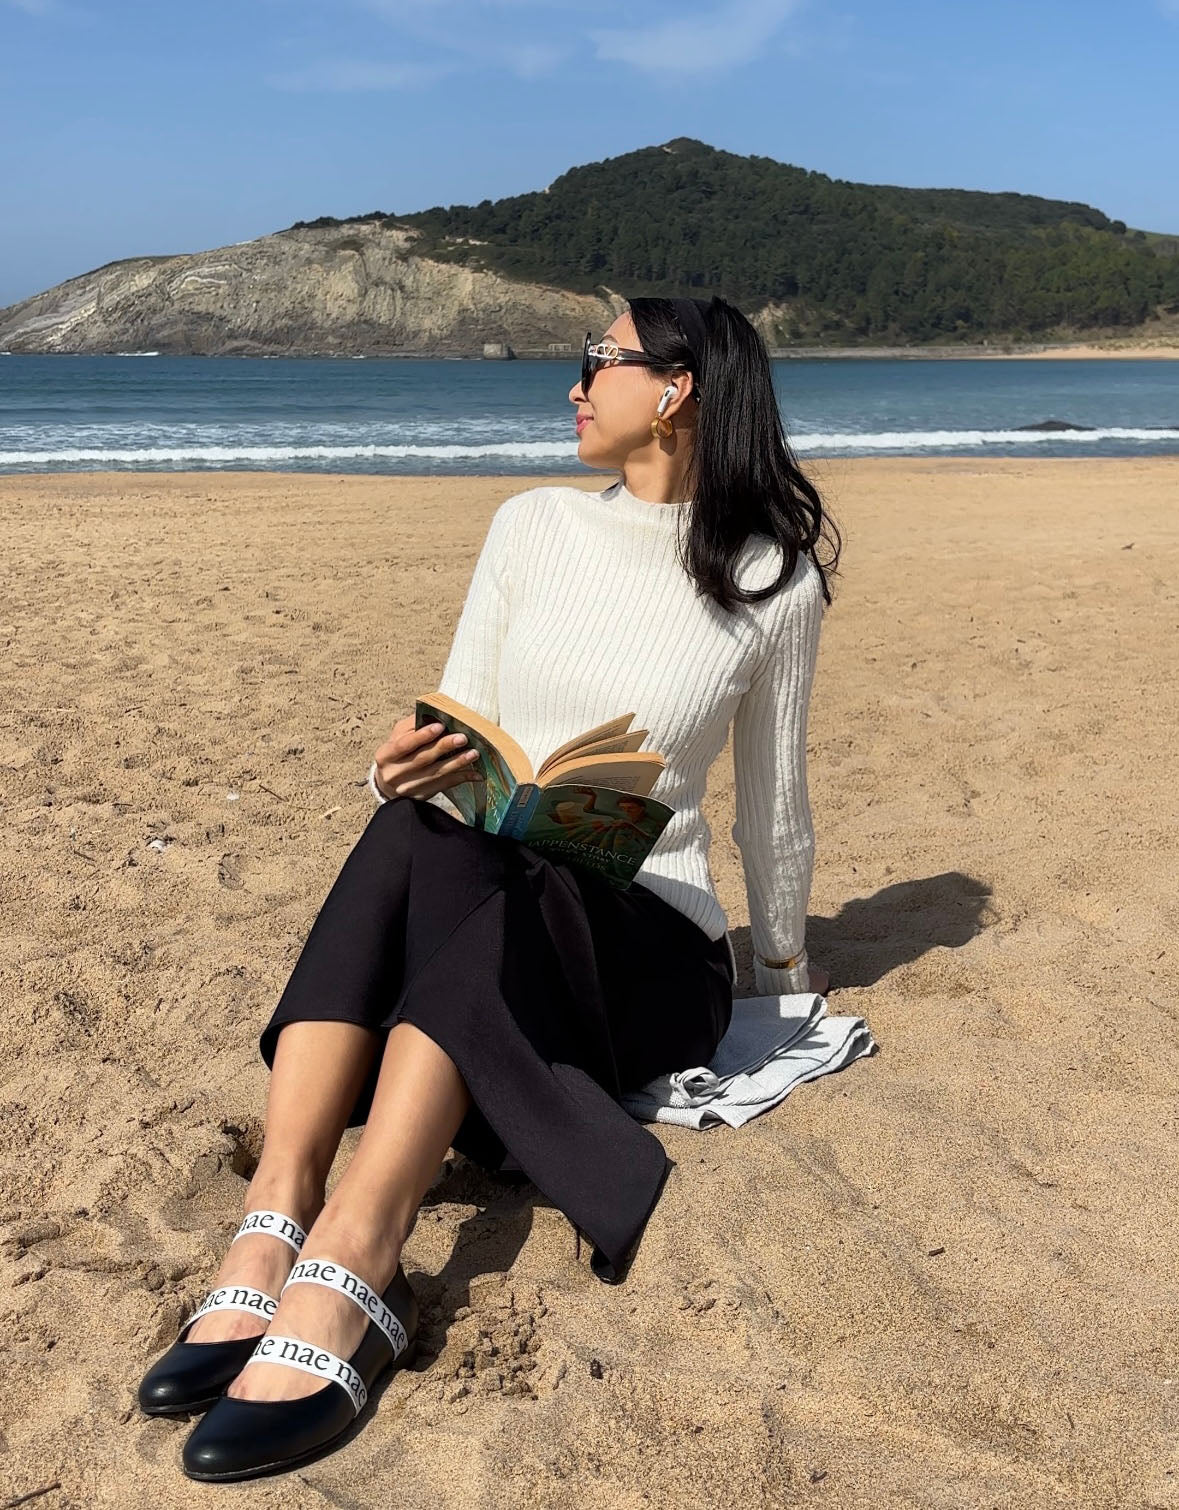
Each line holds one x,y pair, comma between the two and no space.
742,475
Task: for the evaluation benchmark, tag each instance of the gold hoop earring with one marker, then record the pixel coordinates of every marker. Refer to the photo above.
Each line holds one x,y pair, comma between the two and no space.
658,432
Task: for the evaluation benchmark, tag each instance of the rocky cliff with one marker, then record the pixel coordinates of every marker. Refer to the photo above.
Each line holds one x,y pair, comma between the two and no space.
312,291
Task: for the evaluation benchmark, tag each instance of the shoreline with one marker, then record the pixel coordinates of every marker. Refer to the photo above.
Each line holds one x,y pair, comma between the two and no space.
1068,351
1071,352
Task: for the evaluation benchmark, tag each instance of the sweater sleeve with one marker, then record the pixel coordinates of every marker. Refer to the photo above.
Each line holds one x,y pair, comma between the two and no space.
773,828
471,673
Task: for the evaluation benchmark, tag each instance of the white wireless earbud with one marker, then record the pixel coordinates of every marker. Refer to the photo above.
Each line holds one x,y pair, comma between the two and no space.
668,394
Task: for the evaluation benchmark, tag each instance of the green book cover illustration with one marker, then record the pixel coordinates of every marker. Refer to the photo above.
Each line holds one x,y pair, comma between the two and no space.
588,804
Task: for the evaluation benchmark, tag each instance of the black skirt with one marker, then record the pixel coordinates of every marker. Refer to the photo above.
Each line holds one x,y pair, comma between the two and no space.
552,991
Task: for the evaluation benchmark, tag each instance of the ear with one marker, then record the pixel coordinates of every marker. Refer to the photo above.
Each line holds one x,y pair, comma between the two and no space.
683,383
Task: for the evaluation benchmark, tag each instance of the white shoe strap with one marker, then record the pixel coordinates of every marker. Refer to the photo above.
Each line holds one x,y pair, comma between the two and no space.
312,1360
324,1271
236,1298
272,1224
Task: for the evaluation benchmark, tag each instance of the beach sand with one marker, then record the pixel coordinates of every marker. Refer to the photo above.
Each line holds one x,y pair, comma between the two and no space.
943,1278
1127,350
1164,350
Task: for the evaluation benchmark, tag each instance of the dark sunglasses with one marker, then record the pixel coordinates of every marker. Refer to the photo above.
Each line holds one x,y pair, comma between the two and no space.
605,352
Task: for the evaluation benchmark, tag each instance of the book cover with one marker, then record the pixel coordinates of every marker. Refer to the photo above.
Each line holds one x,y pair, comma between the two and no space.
598,827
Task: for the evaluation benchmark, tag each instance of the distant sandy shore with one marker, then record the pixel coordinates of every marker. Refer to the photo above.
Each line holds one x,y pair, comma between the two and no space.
946,1277
984,353
1126,353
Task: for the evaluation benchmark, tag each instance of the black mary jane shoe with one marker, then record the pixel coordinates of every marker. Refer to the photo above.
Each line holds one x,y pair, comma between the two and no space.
245,1439
192,1375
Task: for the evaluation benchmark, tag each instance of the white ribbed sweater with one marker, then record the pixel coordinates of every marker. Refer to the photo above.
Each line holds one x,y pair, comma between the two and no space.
578,610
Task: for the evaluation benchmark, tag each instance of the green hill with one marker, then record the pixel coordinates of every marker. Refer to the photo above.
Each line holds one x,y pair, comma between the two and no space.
825,259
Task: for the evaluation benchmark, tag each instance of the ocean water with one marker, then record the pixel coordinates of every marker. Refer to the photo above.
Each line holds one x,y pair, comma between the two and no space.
155,413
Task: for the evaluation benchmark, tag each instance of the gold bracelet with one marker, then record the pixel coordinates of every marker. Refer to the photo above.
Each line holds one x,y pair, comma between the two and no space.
780,964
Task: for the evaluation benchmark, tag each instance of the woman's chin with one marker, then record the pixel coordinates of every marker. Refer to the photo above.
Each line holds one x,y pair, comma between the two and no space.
592,455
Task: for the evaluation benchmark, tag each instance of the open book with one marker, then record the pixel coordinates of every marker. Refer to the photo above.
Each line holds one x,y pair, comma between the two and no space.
589,804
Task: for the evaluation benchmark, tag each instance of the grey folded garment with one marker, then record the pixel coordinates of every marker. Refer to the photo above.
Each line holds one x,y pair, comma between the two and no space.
773,1044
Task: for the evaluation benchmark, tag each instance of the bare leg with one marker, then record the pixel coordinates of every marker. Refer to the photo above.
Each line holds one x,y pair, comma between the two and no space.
319,1068
420,1102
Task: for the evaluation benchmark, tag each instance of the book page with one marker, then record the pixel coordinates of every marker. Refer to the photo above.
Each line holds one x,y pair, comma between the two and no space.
609,730
615,744
633,772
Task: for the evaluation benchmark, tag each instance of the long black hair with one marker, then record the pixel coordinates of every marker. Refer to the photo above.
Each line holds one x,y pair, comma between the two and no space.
742,475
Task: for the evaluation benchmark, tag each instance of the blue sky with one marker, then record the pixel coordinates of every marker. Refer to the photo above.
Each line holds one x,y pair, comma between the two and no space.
129,127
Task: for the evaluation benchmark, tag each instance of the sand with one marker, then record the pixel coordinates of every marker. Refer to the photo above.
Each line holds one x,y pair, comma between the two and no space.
1147,348
1128,350
944,1278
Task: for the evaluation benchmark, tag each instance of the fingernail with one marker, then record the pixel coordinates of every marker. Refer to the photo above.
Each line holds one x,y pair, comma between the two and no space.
459,739
435,729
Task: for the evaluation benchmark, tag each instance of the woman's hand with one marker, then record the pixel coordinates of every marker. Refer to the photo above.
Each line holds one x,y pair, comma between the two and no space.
818,979
420,762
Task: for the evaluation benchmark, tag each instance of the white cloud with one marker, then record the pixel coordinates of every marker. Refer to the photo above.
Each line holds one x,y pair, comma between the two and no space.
478,30
347,76
44,8
684,44
529,39
408,10
530,60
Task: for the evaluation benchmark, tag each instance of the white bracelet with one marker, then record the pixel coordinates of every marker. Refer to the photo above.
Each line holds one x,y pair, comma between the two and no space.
373,787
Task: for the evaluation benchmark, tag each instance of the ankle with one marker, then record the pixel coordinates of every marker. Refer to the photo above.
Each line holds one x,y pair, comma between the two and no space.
369,1250
293,1192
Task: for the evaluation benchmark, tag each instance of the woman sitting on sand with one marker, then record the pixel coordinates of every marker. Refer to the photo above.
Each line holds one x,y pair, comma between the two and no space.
460,990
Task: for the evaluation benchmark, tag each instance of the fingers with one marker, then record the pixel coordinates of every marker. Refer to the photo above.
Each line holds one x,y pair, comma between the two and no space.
430,772
436,750
461,760
419,762
411,747
436,781
406,742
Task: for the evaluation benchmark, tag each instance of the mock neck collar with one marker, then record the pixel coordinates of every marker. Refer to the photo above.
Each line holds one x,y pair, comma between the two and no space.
624,503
